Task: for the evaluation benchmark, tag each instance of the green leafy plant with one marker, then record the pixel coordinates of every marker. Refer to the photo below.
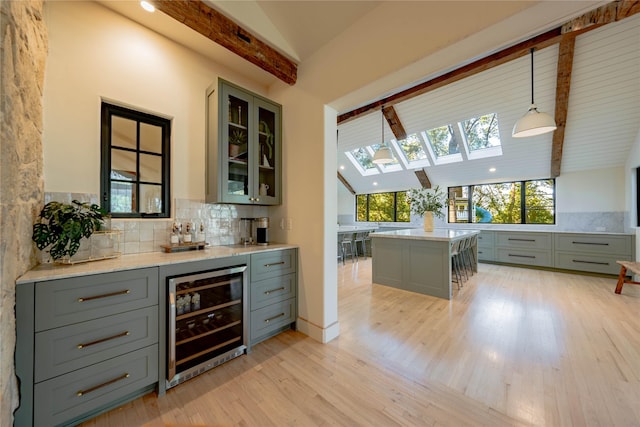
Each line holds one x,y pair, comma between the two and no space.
427,200
238,137
63,225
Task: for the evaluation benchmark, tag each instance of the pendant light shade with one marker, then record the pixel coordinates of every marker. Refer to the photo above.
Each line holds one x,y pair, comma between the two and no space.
383,155
533,122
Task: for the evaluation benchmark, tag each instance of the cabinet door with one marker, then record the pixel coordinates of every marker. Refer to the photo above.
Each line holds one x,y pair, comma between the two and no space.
268,142
237,159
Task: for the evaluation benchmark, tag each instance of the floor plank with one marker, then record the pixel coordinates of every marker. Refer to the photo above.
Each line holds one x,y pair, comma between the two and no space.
513,347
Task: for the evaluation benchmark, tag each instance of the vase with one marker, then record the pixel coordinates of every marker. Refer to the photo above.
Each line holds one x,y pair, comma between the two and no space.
428,221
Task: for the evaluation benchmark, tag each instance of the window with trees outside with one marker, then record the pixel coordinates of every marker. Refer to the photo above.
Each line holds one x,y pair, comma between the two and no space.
518,202
383,207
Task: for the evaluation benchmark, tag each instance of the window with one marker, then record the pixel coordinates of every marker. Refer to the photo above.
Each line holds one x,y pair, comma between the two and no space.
518,202
135,163
443,144
383,207
362,161
482,136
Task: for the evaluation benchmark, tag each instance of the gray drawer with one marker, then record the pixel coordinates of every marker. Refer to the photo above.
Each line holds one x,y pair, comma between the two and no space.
486,239
66,301
270,264
271,319
588,262
61,350
524,240
593,243
486,254
269,291
535,257
58,399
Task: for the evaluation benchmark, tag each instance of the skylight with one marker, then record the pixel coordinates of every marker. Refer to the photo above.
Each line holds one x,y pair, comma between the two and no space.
443,144
413,153
482,136
386,167
361,159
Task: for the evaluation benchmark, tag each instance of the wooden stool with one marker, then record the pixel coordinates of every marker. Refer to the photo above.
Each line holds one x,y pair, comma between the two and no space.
622,277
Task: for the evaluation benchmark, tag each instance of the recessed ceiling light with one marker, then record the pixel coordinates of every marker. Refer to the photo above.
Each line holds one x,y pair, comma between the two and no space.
341,167
375,183
147,6
492,169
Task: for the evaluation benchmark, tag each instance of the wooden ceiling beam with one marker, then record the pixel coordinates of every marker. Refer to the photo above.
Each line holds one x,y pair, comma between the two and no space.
394,122
207,21
423,178
563,88
346,184
614,11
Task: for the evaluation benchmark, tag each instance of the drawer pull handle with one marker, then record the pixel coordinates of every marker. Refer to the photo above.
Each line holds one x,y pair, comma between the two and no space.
89,390
522,240
273,318
275,263
523,256
112,294
120,335
590,262
274,290
590,243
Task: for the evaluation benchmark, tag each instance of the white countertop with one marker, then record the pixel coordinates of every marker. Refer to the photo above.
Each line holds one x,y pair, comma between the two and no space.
442,234
150,259
355,228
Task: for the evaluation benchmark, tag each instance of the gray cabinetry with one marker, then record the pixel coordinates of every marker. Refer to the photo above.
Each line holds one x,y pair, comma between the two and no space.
486,246
85,344
533,249
592,252
243,147
273,293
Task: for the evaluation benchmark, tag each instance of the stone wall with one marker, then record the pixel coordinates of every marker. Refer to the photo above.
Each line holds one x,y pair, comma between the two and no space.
23,51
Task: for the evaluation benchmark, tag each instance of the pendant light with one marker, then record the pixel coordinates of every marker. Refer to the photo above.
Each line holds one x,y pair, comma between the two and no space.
533,122
383,155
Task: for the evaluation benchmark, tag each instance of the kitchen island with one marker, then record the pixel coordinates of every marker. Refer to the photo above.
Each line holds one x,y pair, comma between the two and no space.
417,260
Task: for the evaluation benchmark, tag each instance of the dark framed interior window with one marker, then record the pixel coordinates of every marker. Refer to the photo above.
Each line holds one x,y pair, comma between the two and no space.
516,202
135,163
383,207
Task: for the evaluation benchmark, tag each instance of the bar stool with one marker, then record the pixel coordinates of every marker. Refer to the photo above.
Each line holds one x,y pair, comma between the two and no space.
455,261
362,238
347,246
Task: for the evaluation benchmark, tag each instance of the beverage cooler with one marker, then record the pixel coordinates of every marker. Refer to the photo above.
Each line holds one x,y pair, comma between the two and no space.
207,321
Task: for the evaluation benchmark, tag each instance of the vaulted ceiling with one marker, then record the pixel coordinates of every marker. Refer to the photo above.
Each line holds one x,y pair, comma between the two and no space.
352,53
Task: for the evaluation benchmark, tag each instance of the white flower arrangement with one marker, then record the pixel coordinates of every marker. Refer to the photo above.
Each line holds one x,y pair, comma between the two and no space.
427,200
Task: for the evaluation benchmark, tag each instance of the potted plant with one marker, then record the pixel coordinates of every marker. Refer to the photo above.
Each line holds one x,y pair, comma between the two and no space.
63,225
236,140
427,202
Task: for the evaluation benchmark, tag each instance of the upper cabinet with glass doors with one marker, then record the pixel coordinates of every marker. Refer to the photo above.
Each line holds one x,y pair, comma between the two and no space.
243,147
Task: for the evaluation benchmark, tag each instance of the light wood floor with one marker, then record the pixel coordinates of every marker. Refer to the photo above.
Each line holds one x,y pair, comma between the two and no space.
514,347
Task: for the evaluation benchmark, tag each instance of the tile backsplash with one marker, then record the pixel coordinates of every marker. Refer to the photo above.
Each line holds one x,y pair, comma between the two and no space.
221,223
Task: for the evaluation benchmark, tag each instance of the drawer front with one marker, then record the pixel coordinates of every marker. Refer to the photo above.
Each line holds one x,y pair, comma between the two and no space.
269,291
61,350
266,320
533,257
272,264
486,239
524,240
66,301
69,396
594,243
486,254
589,262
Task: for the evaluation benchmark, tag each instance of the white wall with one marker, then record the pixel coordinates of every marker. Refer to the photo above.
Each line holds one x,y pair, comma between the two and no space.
95,53
599,190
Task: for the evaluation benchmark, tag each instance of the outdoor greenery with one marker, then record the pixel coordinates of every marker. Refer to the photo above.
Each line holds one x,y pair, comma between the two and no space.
482,132
63,225
424,200
506,202
382,207
443,140
412,148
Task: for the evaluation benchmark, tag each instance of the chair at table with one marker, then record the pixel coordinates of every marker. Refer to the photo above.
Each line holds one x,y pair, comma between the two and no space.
362,237
456,261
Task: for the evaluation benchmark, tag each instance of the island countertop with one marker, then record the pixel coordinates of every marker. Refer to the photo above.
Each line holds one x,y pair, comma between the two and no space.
438,234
